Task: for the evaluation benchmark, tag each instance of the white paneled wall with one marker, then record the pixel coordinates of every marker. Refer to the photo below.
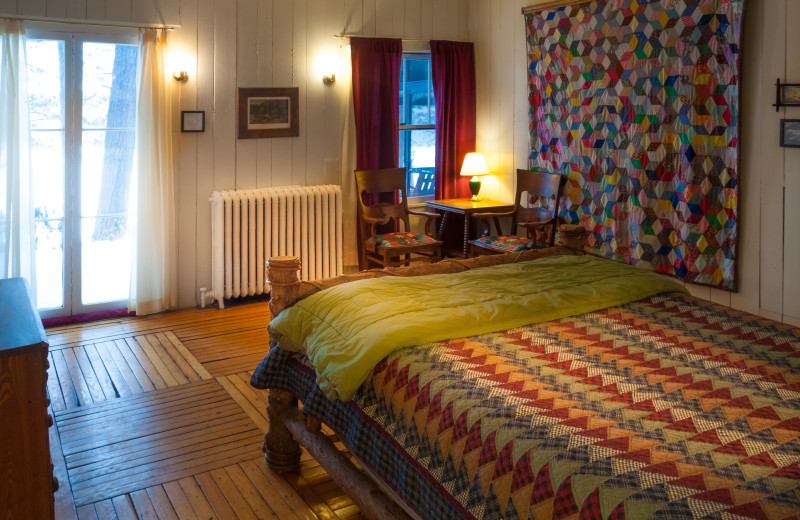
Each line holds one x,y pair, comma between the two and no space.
769,245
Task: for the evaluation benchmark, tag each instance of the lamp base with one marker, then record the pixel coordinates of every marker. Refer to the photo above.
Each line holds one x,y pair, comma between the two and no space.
475,188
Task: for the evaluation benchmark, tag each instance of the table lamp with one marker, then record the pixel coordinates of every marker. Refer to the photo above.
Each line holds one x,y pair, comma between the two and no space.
474,165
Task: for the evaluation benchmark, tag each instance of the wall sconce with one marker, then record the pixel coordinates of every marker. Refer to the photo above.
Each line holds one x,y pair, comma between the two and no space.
329,79
180,76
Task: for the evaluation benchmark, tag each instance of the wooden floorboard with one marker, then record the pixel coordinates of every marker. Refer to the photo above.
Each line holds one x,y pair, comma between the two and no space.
155,418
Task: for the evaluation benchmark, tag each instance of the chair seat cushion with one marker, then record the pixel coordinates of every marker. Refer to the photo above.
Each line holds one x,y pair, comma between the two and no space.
403,239
509,243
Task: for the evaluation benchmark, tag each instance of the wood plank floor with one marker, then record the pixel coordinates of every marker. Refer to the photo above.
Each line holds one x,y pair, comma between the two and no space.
154,418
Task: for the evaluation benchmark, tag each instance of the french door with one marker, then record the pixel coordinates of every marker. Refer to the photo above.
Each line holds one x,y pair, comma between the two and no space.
82,93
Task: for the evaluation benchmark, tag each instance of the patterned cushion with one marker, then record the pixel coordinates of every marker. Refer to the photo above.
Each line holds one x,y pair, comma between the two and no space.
505,242
403,239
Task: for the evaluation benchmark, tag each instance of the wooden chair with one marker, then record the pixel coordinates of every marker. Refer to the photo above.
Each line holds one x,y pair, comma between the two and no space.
535,209
397,247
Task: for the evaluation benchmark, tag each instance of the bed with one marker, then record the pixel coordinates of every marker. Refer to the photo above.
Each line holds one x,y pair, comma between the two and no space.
664,406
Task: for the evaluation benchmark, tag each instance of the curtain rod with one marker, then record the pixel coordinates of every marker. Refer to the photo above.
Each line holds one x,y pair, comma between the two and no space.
550,5
342,36
103,23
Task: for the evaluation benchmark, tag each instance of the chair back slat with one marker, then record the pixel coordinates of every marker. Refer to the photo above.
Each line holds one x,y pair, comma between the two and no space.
537,197
385,194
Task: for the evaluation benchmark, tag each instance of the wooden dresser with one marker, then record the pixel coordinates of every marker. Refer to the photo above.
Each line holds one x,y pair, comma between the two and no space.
26,475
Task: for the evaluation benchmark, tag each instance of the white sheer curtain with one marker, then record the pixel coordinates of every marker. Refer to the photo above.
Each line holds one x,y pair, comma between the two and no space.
17,245
154,276
348,179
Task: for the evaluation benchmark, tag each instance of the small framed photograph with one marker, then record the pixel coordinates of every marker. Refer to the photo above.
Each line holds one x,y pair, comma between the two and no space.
790,133
789,95
193,121
268,112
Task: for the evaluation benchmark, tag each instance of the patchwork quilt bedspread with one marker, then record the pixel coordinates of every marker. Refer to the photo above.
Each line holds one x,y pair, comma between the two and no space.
668,407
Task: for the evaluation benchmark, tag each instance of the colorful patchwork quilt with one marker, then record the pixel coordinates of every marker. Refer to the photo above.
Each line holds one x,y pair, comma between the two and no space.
668,407
637,103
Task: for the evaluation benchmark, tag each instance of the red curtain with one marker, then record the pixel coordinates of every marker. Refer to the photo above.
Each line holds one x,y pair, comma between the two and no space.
376,105
376,100
453,65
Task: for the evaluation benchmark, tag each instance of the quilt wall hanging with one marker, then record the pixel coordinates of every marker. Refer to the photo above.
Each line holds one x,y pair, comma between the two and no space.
637,102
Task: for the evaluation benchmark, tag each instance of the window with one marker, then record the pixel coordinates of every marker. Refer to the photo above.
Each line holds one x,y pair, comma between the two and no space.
82,98
417,125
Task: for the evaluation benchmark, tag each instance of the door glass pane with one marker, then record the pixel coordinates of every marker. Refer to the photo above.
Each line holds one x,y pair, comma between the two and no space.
109,85
47,168
50,264
107,157
46,113
45,84
105,259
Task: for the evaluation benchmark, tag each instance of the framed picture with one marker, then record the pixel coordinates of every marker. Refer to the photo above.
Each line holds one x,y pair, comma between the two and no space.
193,120
268,112
789,95
790,133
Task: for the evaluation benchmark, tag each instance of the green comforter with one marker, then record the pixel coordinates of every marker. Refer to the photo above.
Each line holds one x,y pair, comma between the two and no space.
346,330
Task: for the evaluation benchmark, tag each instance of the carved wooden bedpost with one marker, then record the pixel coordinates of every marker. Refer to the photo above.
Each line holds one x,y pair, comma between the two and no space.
281,449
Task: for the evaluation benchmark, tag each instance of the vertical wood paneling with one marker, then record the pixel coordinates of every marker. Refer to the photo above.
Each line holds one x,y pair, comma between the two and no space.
144,12
55,8
463,23
398,19
521,105
224,95
8,6
264,79
455,15
411,19
747,297
791,216
168,11
318,95
246,76
353,17
483,87
205,140
498,81
330,145
383,18
426,20
185,41
300,76
122,10
509,14
368,17
282,44
76,9
440,18
96,9
773,63
33,7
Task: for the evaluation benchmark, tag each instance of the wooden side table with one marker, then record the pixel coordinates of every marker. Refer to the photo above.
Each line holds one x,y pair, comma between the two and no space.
466,207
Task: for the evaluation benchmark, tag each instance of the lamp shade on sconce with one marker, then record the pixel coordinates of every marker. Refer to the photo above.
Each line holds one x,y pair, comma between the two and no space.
474,166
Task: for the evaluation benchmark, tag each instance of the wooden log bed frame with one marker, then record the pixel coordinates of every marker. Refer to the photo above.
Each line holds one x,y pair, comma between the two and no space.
290,428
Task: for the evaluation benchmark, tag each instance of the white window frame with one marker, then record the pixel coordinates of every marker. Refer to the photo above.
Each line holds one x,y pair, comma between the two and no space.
413,49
